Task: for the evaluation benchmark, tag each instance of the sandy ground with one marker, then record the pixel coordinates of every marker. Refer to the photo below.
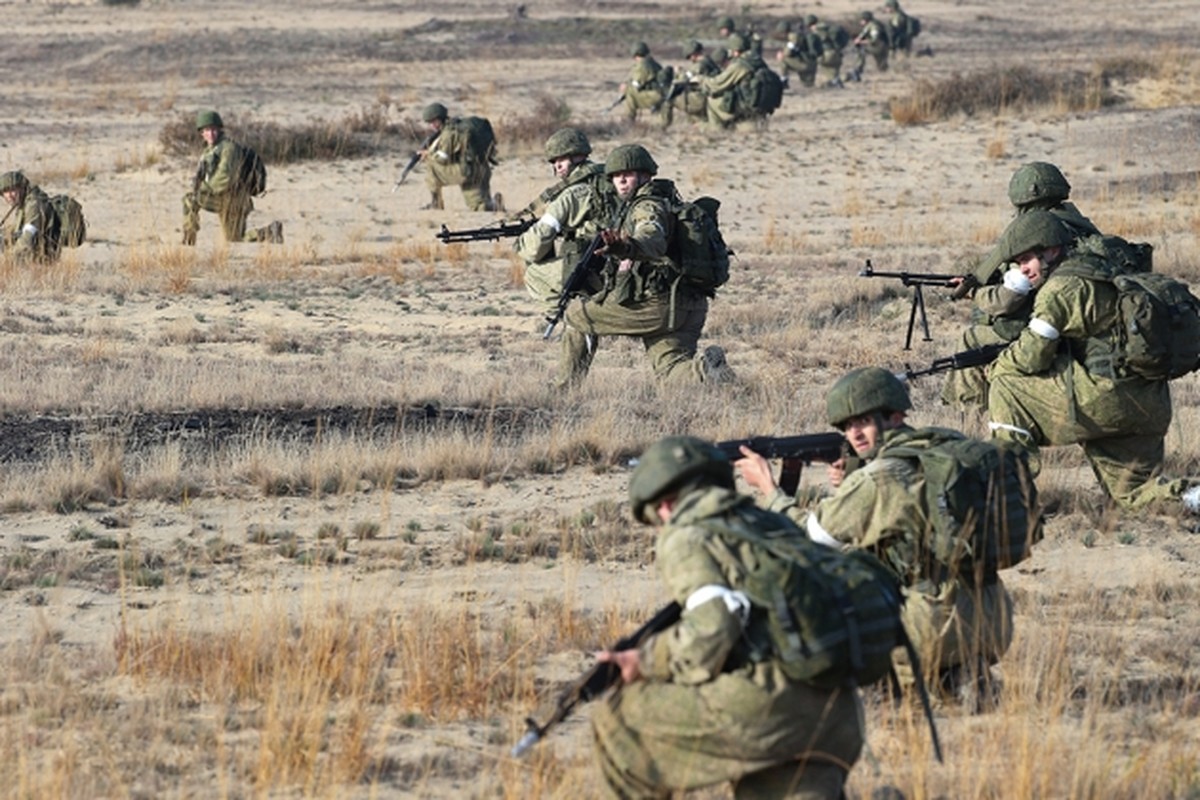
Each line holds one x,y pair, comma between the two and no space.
833,181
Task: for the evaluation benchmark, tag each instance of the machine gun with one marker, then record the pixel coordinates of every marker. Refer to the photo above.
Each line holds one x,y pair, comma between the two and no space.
795,451
501,230
964,359
595,681
917,280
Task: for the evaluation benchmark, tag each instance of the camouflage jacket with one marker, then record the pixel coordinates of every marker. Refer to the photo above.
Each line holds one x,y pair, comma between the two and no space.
31,231
219,167
575,215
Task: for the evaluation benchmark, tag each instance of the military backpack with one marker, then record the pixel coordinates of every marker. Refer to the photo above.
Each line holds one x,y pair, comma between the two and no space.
72,227
481,139
698,248
912,27
762,93
980,498
1159,337
831,618
251,172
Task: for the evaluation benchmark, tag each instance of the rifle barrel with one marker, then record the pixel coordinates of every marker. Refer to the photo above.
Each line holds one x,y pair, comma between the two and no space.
912,278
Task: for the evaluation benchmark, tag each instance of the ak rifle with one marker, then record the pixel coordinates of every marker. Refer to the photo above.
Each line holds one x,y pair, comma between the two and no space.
964,359
501,230
917,280
416,156
596,681
795,452
577,280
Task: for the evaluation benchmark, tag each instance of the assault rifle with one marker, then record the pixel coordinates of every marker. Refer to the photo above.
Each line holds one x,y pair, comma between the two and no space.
616,102
501,230
575,282
416,156
964,359
595,681
917,280
795,451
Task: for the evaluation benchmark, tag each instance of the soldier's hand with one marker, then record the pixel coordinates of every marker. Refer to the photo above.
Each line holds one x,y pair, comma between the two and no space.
628,661
836,473
756,471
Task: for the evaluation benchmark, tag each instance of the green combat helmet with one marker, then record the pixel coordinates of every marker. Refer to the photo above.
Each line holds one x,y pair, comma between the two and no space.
726,24
1038,182
434,111
1034,230
894,5
863,391
566,142
866,16
720,55
13,180
671,466
630,158
208,119
738,43
691,47
810,20
640,49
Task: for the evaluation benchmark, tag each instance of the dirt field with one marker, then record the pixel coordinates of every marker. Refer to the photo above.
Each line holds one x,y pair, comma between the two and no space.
233,478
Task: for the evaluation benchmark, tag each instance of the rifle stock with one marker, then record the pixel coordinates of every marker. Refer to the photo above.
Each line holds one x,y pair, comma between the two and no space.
964,359
595,681
795,451
501,230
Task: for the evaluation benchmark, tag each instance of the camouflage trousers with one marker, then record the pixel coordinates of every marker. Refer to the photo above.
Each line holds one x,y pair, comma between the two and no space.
649,99
805,69
1120,424
879,54
232,210
474,179
830,67
722,111
544,280
969,387
770,737
960,625
669,334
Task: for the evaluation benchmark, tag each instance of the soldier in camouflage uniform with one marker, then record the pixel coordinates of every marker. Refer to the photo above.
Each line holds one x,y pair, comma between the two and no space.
691,99
1057,385
569,212
643,295
1003,299
874,38
898,25
31,226
216,188
959,626
644,88
802,54
833,38
452,159
692,710
724,102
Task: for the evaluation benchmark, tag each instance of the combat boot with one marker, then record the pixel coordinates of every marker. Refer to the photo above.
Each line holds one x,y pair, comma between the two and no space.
189,237
434,204
275,232
498,203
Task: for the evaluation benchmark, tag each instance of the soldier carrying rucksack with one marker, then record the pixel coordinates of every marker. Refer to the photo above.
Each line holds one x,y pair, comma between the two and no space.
746,89
31,226
1093,364
228,176
460,151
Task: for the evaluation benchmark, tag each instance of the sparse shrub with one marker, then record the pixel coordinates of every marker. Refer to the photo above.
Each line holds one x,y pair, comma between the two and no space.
328,530
365,529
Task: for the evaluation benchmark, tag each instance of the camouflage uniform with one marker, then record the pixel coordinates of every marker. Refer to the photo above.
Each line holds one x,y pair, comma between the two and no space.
829,65
579,209
882,508
898,28
1055,386
692,100
642,297
451,161
31,232
703,713
724,102
220,193
802,55
873,38
642,89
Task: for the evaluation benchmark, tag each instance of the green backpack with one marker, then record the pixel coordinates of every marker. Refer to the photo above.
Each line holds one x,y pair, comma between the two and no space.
481,139
980,498
697,247
832,618
72,227
1159,337
252,172
763,92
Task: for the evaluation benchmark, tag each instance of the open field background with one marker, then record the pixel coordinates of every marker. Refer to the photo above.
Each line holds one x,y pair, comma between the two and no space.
308,521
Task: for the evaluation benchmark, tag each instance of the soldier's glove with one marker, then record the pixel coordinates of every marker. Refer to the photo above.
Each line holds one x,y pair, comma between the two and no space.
1015,281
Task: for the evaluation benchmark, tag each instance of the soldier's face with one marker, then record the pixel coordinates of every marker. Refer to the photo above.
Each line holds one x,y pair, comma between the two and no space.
626,183
210,134
562,166
1035,265
12,196
862,432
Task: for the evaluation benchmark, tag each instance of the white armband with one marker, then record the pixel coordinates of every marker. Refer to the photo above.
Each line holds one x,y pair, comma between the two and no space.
736,602
442,155
1015,281
549,221
1043,329
30,229
818,534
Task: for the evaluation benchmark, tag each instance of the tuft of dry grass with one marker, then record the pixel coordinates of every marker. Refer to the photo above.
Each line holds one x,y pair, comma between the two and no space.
1012,89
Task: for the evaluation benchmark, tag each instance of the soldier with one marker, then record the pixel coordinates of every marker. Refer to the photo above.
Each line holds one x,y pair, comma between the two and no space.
645,86
571,210
462,152
643,295
692,710
958,624
31,226
1058,383
720,57
1004,299
689,95
725,106
834,39
802,54
218,188
874,38
902,28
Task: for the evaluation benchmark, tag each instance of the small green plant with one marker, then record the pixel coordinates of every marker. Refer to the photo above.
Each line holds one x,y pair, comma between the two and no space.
328,530
80,533
365,529
1089,539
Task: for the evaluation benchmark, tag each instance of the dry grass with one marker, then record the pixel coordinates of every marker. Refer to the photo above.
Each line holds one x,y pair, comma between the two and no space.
997,92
